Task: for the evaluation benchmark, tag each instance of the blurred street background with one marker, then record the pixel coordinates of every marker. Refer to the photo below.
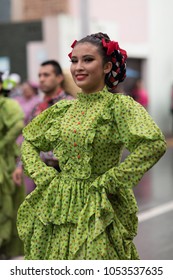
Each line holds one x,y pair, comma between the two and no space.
155,200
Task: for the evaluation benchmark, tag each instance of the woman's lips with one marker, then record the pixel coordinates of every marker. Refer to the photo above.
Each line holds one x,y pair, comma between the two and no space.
80,77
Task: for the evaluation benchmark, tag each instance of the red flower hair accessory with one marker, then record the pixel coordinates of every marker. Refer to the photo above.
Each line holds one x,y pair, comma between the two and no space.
118,58
112,46
72,46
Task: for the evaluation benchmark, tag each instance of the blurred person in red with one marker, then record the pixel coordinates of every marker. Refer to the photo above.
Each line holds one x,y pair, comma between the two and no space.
139,93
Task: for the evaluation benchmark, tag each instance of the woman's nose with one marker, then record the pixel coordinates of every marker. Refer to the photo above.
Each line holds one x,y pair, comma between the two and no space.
79,65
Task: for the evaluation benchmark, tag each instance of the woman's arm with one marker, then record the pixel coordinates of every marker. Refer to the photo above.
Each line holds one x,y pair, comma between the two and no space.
38,138
142,137
34,167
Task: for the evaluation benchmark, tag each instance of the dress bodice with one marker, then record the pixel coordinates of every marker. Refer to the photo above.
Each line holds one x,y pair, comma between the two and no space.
88,136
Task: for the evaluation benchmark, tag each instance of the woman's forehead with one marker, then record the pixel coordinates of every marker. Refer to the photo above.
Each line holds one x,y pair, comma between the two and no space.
85,48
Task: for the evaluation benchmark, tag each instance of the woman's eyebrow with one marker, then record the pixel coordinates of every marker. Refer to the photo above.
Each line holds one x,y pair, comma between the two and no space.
84,56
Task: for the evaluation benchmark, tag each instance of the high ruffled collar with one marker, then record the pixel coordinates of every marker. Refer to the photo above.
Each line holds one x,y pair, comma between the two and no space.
92,96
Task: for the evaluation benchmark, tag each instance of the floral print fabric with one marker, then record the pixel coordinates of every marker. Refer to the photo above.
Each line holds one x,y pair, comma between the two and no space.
88,210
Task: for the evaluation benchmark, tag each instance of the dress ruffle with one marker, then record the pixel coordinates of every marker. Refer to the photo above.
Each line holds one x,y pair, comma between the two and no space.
61,204
84,198
78,168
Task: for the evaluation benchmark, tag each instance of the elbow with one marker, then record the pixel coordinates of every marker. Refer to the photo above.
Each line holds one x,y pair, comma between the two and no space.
164,146
161,147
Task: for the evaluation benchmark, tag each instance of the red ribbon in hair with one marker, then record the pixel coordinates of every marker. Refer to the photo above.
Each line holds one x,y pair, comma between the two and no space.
112,46
72,46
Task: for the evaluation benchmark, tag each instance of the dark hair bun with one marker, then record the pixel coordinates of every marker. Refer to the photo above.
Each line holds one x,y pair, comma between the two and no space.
118,58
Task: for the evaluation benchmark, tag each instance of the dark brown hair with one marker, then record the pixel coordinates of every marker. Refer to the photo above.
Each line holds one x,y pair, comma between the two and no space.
117,57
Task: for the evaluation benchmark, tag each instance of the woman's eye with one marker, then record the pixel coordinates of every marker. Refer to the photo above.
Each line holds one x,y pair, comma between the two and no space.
73,60
88,59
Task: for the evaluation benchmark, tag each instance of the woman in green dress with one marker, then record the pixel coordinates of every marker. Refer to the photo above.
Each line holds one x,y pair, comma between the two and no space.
88,210
11,196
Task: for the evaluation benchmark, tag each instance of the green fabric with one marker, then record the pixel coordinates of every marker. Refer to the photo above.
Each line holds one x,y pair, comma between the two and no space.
11,124
88,210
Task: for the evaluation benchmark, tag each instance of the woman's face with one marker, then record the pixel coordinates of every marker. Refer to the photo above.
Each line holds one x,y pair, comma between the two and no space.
87,68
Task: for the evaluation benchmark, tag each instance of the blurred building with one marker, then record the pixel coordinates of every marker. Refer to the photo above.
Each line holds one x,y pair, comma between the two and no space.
28,10
35,30
21,22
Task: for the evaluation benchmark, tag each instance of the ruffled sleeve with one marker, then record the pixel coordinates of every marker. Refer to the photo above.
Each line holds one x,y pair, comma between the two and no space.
36,140
141,136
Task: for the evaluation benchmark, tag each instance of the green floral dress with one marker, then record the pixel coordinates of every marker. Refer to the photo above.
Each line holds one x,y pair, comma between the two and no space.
11,196
88,210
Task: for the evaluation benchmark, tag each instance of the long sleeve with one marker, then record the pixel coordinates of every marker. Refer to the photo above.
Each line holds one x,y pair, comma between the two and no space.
34,167
142,137
37,138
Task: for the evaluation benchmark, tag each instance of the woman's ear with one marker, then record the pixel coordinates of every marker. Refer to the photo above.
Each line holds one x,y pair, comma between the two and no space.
107,67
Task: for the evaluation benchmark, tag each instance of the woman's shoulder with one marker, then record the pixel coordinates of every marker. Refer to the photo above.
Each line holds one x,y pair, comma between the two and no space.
52,114
126,105
122,99
63,103
60,107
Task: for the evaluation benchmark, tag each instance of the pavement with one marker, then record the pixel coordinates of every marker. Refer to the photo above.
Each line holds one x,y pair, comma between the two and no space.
154,195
